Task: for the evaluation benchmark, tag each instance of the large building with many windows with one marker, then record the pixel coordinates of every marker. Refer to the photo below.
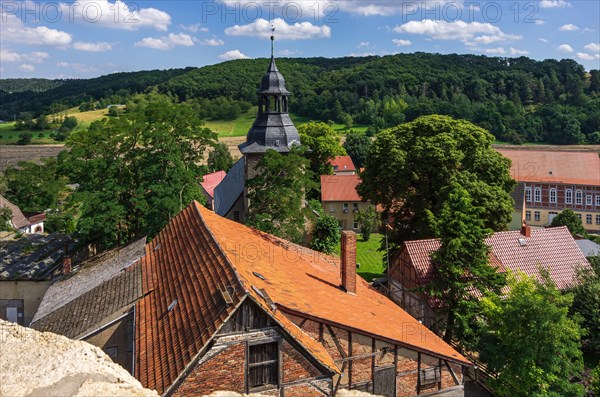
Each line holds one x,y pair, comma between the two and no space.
556,180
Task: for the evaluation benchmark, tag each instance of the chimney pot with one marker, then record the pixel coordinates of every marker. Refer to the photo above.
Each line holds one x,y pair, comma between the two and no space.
526,230
66,265
348,261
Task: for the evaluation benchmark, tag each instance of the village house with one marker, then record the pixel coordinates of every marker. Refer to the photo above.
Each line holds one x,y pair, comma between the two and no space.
226,307
28,223
525,251
341,200
26,267
343,165
209,183
557,180
93,301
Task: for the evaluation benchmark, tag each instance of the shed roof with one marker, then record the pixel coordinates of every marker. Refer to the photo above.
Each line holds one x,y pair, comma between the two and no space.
588,247
19,220
211,181
229,190
342,163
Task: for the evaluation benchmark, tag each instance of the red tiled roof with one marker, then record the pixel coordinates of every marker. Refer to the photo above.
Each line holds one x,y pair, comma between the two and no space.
211,181
305,282
339,188
342,163
553,249
18,219
552,166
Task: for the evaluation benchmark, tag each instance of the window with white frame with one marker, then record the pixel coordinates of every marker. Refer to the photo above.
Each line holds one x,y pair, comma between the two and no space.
345,207
537,195
527,215
588,219
588,199
331,207
568,196
536,216
578,197
597,219
578,216
528,194
355,225
598,200
553,195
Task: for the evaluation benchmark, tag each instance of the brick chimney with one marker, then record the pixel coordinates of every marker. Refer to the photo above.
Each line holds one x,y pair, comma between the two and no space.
348,261
66,264
526,230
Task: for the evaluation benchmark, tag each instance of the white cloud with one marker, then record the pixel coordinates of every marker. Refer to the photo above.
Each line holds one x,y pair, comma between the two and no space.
92,47
212,42
363,44
584,56
401,42
288,53
540,22
283,31
14,31
543,40
116,15
27,67
565,48
195,28
362,54
568,28
495,51
166,42
594,47
470,33
78,67
7,55
554,4
233,54
515,51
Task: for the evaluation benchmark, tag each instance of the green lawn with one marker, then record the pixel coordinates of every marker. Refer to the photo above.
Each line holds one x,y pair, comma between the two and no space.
371,261
8,135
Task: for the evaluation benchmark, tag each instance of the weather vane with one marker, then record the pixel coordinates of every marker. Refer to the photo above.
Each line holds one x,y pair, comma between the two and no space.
272,40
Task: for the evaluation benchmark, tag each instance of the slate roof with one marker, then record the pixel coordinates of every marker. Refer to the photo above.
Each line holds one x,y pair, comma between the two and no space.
342,163
340,188
230,188
588,247
211,181
553,249
568,167
272,82
95,308
19,220
32,257
200,253
89,275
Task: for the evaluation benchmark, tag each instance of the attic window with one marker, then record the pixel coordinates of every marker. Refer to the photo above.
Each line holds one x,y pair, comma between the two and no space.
259,275
172,305
522,242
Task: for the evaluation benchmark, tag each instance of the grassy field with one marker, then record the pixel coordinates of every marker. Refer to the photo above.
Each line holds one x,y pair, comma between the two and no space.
8,135
371,261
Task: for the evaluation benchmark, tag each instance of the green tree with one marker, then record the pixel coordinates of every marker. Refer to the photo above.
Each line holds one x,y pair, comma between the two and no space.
219,159
24,138
410,168
586,304
5,218
324,145
529,340
326,234
34,186
368,220
275,194
569,219
461,264
357,146
136,171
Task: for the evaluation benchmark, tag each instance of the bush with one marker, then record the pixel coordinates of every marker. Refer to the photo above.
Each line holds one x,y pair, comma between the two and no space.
41,135
368,220
25,138
326,235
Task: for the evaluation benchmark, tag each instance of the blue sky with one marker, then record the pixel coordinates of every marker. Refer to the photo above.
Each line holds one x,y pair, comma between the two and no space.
89,38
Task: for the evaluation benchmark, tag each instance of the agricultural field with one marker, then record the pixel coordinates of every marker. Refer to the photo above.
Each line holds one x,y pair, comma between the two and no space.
13,154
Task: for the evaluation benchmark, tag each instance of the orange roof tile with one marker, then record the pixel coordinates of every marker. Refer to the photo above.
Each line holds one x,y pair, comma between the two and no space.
339,188
342,163
568,167
306,282
553,249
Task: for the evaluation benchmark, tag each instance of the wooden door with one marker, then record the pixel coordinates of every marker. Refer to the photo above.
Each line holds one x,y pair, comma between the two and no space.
384,381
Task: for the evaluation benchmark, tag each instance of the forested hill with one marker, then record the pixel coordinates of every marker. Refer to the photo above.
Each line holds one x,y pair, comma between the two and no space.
23,85
517,99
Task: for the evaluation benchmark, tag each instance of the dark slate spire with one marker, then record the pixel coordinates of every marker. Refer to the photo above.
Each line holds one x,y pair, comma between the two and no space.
273,128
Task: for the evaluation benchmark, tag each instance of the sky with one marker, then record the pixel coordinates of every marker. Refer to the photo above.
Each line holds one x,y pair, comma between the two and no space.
88,38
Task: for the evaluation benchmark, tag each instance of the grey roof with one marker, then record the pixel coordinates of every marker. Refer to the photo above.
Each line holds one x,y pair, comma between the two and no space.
32,257
588,247
97,307
89,275
273,82
230,188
